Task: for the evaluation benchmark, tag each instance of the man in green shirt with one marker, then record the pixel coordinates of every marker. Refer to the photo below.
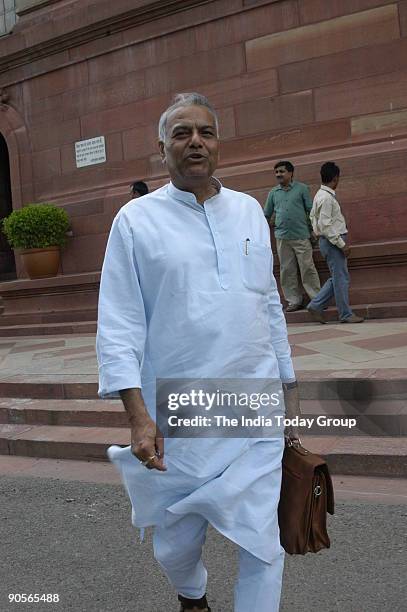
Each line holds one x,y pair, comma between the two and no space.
287,209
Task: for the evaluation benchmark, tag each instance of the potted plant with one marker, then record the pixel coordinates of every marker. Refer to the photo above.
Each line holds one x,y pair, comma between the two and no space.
38,231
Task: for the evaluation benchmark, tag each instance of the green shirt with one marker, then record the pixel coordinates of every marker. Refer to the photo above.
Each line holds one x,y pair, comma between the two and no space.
291,207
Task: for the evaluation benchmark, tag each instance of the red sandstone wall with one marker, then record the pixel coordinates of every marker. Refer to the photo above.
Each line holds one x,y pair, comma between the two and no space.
308,80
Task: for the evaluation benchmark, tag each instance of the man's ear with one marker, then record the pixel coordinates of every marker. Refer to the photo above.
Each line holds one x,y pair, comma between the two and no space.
162,150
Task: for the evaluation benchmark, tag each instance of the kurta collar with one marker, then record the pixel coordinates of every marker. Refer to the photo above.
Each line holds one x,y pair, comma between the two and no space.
328,189
186,197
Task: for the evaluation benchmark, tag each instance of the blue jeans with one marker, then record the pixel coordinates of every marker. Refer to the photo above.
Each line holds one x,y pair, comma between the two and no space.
337,286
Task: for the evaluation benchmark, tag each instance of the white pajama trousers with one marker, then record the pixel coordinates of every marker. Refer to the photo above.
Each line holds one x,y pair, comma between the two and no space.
178,551
237,492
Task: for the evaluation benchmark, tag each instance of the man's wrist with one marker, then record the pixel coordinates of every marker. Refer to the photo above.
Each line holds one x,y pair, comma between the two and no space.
134,405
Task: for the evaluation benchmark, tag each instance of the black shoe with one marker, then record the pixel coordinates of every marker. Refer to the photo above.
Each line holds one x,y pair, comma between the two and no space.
185,609
189,604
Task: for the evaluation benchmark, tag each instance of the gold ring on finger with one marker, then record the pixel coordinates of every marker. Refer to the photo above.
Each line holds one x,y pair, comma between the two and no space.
149,460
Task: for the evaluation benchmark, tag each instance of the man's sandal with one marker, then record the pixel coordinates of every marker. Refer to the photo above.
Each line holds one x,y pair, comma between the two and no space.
190,604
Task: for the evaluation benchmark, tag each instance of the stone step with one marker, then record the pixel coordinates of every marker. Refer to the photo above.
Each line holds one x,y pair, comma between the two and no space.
61,442
361,456
77,322
353,456
376,417
392,310
57,323
67,298
382,417
21,388
46,318
48,329
313,386
77,413
348,388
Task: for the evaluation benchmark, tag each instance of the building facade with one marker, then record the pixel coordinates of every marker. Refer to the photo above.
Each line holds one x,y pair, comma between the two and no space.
305,80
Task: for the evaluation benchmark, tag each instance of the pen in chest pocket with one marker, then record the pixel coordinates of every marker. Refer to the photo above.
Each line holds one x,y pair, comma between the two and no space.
246,246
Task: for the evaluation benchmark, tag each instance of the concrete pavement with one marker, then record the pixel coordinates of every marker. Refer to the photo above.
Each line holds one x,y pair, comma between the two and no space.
75,540
347,488
65,524
48,388
372,349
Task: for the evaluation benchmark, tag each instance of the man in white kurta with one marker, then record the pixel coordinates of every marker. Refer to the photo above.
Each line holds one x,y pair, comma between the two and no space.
187,292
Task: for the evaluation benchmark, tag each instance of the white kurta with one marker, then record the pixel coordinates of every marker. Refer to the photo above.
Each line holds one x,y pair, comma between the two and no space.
187,291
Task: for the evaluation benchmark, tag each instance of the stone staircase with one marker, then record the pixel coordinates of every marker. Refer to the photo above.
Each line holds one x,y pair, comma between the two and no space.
48,329
67,422
61,429
67,304
78,323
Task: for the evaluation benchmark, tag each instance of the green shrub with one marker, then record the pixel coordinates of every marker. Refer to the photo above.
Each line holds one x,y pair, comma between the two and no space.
36,226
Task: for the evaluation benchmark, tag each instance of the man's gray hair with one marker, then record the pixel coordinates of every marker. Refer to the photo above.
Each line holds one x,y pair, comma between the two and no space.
181,100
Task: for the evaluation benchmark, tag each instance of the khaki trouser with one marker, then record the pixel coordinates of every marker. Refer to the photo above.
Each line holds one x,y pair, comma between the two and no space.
296,255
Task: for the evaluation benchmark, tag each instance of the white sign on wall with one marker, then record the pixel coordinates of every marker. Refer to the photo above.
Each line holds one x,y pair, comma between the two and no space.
91,151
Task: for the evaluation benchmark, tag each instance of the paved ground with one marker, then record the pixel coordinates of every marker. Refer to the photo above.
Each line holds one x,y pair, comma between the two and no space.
373,351
60,535
347,488
75,539
374,348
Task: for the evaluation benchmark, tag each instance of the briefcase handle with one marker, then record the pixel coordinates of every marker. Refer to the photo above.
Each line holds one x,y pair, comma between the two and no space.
296,443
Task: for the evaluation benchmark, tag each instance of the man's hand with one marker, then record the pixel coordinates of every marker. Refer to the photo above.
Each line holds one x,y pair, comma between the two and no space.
314,239
147,442
271,220
346,250
292,409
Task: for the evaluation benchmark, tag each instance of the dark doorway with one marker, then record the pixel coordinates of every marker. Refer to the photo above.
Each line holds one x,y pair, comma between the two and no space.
7,262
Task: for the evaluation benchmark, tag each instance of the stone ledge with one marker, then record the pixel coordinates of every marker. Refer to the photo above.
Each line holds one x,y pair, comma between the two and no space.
27,6
61,299
116,19
55,329
32,287
365,255
377,311
359,456
350,385
378,269
367,252
370,254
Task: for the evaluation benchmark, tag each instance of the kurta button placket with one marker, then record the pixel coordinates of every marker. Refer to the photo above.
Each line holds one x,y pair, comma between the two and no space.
221,258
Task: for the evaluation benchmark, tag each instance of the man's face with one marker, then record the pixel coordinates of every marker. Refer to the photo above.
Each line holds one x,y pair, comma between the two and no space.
283,176
191,147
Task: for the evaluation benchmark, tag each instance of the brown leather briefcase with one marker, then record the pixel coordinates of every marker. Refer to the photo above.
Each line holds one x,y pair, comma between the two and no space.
306,497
